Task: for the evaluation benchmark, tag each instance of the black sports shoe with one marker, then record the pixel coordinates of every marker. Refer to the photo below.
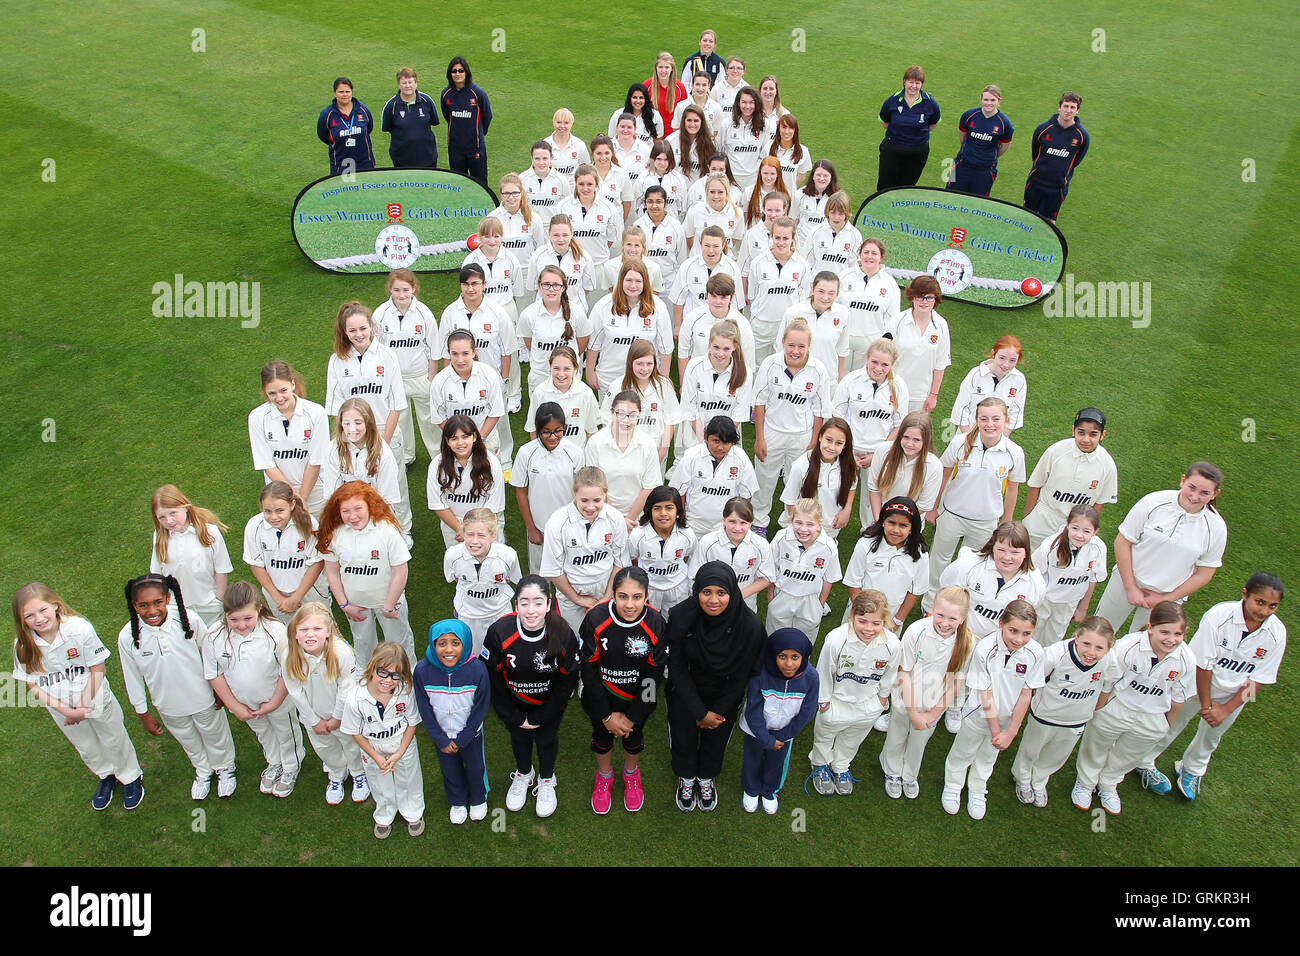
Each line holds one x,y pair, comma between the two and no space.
708,796
103,793
686,794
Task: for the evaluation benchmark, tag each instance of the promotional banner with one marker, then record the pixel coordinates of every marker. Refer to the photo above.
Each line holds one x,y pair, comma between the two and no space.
981,250
384,219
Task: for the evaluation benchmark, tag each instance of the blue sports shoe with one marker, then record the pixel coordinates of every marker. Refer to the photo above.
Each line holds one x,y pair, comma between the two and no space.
103,793
1154,780
132,793
1189,784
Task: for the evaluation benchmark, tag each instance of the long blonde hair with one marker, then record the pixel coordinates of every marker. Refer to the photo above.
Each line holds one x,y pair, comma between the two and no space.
669,93
889,348
169,496
374,439
965,642
25,649
895,457
295,660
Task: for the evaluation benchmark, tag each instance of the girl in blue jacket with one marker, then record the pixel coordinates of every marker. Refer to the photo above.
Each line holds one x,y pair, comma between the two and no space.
452,693
782,701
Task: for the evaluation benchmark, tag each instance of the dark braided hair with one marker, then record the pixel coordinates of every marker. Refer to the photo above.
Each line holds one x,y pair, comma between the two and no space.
167,583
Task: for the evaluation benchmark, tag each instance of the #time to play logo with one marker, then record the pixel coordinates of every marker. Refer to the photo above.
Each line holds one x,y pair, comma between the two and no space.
951,266
396,245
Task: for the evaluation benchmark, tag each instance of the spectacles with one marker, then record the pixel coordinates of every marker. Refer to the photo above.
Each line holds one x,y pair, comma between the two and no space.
627,416
513,192
553,432
457,69
924,298
387,674
551,285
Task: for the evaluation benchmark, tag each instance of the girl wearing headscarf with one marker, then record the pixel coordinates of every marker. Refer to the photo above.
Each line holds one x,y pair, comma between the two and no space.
715,645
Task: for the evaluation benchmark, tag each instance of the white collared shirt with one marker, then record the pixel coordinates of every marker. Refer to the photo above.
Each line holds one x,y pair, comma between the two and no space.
1169,544
798,570
1222,644
1067,477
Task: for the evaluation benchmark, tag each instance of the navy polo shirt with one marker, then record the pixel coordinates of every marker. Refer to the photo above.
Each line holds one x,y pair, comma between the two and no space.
1056,151
909,126
411,126
983,134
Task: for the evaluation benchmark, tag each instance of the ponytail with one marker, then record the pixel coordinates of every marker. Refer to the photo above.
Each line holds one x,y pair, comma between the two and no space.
167,583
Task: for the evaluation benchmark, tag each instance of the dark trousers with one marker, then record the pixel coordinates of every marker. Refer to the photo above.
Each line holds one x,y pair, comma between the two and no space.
697,753
1045,202
464,774
546,738
602,741
976,182
900,167
471,162
762,772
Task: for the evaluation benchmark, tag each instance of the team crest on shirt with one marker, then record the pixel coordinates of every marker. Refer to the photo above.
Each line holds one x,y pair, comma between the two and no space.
846,247
499,579
482,393
577,412
647,322
735,471
637,646
1259,653
73,652
835,322
400,708
819,563
808,386
487,328
934,339
577,267
306,434
555,190
270,436
379,370
1020,597
374,555
419,329
679,554
752,562
302,545
1093,486
1173,675
609,538
1096,676
1011,392
654,406
600,217
1021,668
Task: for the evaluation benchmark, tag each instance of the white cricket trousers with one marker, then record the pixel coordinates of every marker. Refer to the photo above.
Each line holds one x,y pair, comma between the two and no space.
401,790
949,530
317,592
1196,758
572,613
765,343
801,611
1115,608
396,630
665,600
478,628
1044,749
418,414
102,741
205,738
783,450
971,757
838,732
402,509
904,746
1117,739
338,753
277,732
1053,621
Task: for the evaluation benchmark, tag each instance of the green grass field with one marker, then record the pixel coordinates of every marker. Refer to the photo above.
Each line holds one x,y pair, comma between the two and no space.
137,158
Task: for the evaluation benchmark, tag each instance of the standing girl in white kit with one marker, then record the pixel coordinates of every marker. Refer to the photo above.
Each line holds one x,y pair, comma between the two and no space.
574,396
1157,678
802,566
381,716
1001,570
522,232
716,383
465,476
1073,471
627,457
794,156
319,671
187,544
280,550
543,476
162,657
754,203
407,327
242,658
775,280
716,210
1078,673
1168,547
835,244
503,281
632,311
1071,563
890,557
745,140
597,224
289,435
366,562
660,411
792,395
734,544
484,571
560,250
978,490
583,546
363,367
908,466
661,170
661,545
58,655
870,294
614,185
827,319
568,152
358,452
873,402
826,473
809,206
997,375
550,321
924,345
931,673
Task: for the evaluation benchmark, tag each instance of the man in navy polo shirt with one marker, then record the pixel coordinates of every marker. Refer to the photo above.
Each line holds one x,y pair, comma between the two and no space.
985,135
409,117
908,115
1058,147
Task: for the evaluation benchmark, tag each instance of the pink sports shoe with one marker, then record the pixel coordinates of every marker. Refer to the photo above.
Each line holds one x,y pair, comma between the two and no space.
600,794
633,795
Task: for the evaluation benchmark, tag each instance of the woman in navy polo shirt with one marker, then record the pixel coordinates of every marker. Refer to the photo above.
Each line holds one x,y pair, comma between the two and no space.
344,126
908,116
468,113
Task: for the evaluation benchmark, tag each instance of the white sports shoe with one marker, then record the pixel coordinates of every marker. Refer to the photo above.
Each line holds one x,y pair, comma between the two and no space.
226,783
1109,801
334,793
284,786
771,805
545,793
975,806
749,803
1081,796
882,722
360,788
478,811
269,776
517,795
1040,796
459,815
951,801
952,719
201,786
911,789
893,787
1024,794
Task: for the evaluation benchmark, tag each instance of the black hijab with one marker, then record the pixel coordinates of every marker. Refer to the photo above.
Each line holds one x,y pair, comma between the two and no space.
728,642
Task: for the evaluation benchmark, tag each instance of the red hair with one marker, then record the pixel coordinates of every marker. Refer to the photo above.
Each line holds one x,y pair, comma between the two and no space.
331,520
1008,342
